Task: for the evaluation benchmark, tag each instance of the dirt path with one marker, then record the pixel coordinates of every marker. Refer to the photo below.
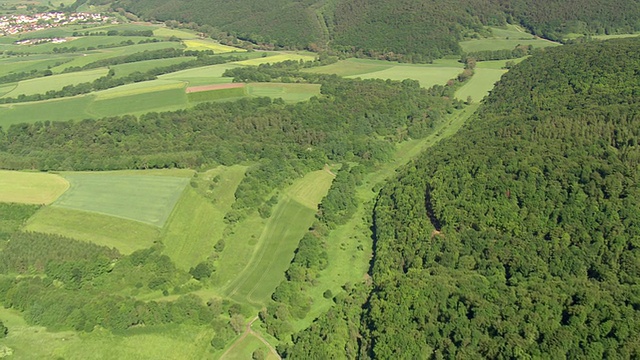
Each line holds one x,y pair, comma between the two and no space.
249,331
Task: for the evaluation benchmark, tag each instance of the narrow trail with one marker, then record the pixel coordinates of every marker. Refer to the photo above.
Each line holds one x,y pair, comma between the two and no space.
249,331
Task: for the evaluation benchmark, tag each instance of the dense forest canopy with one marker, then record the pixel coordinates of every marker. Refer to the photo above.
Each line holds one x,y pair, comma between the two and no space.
520,235
421,30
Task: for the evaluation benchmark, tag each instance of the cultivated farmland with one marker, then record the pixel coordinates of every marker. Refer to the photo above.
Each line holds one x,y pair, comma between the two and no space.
31,187
148,199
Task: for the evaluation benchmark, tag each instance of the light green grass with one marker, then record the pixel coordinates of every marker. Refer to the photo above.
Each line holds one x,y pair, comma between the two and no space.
139,103
217,95
288,92
277,57
275,246
144,66
139,88
125,235
167,33
5,89
197,223
148,199
31,187
37,62
503,44
171,342
101,54
427,74
244,348
205,44
54,110
205,75
79,43
55,82
480,84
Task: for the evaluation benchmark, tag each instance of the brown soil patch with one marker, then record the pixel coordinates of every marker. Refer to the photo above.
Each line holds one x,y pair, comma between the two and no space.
194,89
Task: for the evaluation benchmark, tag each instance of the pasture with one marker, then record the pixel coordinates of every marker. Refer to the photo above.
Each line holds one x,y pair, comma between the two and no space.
290,93
125,235
278,57
480,84
169,342
428,75
147,199
252,266
206,44
197,223
31,187
144,66
34,62
55,82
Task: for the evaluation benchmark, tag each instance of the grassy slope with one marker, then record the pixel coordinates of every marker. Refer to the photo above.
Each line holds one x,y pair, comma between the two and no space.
197,223
125,235
288,92
31,187
148,199
55,82
251,267
506,38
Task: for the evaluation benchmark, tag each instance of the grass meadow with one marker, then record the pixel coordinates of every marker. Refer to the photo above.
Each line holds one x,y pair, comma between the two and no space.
31,187
147,199
197,223
55,82
278,57
206,44
170,342
288,92
125,235
427,74
251,267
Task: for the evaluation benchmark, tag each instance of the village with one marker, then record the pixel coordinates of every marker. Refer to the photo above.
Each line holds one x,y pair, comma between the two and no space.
16,24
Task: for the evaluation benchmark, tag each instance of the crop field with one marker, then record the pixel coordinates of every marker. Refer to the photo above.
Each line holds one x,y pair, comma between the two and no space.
288,92
169,342
264,268
144,66
204,44
34,62
205,75
179,33
148,199
31,187
197,223
125,235
140,103
54,110
5,89
278,57
101,54
55,82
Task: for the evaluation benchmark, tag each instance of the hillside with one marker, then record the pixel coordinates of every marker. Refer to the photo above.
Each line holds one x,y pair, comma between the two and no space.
420,29
520,235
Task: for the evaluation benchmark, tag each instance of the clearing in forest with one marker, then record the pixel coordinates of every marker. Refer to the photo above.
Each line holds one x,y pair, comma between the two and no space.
144,198
251,270
197,223
203,44
31,187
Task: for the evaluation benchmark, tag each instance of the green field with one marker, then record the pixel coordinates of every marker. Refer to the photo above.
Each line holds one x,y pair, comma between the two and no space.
217,95
169,342
278,57
162,100
480,84
205,75
179,33
427,74
197,223
205,44
31,187
33,62
148,199
505,38
288,92
144,66
125,235
253,278
55,82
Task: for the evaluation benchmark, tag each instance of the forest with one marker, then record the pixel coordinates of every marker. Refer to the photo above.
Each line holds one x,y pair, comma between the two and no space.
406,30
518,236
